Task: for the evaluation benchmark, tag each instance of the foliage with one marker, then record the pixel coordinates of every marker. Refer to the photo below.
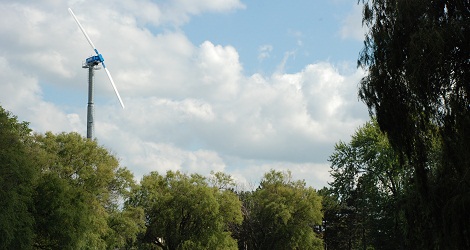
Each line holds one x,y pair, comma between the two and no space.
17,175
280,214
341,226
61,192
124,226
365,201
77,197
60,213
417,58
184,212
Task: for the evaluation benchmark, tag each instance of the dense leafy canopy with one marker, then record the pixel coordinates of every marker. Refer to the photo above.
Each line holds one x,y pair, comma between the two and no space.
78,194
417,58
280,214
63,191
184,212
17,174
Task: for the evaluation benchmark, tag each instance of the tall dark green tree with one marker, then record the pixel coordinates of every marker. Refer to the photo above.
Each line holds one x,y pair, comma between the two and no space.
416,55
17,177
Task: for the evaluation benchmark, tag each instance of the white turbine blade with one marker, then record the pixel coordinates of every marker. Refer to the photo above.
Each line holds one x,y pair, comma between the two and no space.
114,86
83,31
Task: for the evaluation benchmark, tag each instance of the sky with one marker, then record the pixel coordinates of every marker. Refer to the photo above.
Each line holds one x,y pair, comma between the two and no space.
238,86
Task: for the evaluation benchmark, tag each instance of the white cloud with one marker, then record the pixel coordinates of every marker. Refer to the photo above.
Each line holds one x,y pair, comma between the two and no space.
285,119
149,13
220,69
143,155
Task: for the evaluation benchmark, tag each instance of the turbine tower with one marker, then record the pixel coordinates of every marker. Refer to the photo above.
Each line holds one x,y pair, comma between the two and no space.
92,63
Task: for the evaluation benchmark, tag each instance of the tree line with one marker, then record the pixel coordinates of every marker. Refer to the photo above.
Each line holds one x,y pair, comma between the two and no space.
64,191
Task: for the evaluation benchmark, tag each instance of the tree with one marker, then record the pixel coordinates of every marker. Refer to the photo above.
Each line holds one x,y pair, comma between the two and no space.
78,195
17,177
184,212
60,213
341,224
61,192
365,201
416,55
280,214
124,227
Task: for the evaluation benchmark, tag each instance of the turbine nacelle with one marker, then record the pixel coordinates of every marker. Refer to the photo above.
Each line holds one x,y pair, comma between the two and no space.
94,60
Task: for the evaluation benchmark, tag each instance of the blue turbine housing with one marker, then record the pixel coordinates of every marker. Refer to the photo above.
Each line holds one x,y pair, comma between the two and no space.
94,60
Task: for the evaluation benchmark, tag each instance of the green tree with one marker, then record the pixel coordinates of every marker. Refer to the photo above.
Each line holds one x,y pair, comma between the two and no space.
280,214
78,196
185,212
124,227
340,228
17,177
60,213
417,58
367,193
61,192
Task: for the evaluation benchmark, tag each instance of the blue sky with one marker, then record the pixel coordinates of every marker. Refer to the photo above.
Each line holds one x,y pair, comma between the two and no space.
209,85
309,31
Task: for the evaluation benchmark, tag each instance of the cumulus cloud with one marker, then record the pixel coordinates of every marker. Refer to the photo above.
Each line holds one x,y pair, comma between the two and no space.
280,121
220,69
189,107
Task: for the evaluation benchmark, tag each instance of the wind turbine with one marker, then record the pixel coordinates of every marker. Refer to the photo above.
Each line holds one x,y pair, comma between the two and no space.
92,64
